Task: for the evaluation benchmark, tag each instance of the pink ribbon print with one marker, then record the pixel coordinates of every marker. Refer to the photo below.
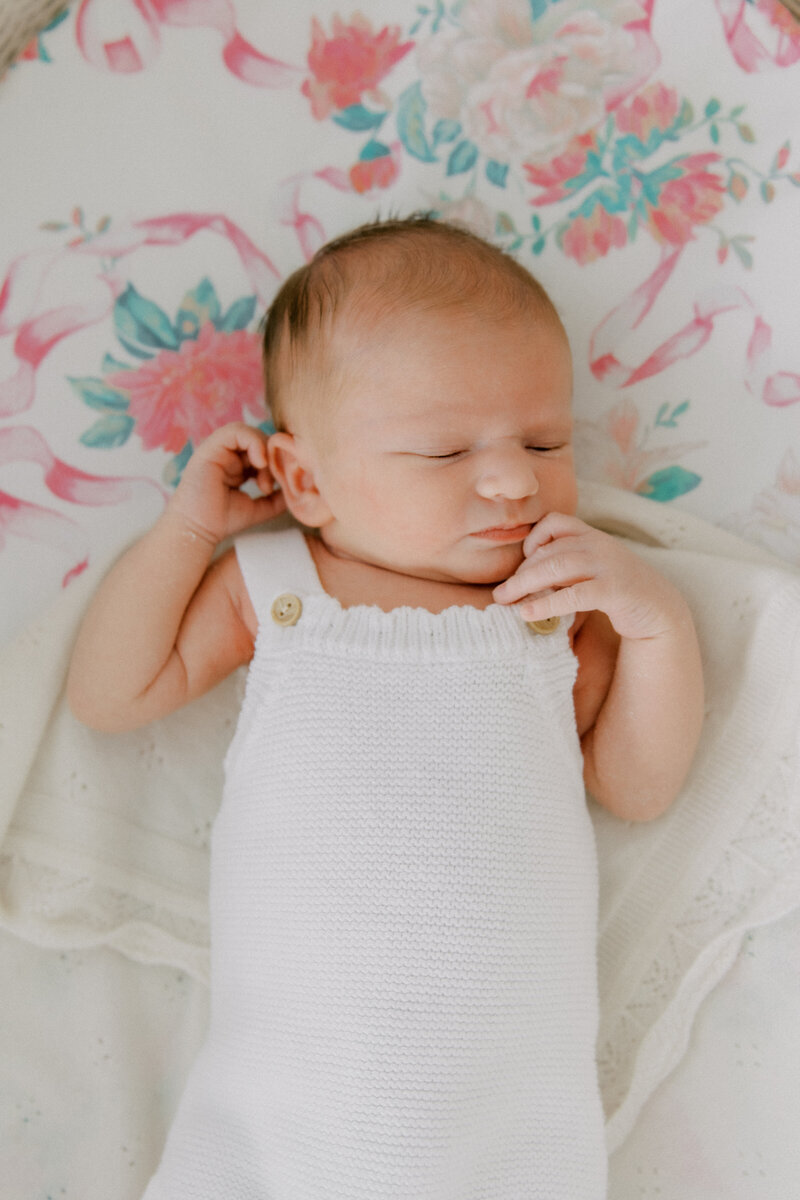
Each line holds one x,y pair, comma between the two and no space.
37,329
776,44
135,46
779,389
24,519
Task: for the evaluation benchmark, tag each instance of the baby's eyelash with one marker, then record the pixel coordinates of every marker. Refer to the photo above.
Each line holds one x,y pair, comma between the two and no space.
458,453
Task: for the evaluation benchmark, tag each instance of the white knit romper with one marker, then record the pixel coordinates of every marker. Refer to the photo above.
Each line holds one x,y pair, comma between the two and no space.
403,914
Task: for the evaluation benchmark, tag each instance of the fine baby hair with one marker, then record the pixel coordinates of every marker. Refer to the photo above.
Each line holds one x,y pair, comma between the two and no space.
373,273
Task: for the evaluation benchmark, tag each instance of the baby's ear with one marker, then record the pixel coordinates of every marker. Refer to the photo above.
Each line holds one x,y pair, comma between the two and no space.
289,461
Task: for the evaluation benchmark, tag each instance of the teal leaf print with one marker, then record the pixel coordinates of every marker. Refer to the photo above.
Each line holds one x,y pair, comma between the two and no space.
358,119
99,394
669,483
141,326
463,158
111,364
497,173
411,124
176,466
538,8
238,316
373,150
742,253
198,307
109,432
446,130
612,199
628,148
669,420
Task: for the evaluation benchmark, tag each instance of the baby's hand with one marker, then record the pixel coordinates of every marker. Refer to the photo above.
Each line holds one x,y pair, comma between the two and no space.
209,497
571,567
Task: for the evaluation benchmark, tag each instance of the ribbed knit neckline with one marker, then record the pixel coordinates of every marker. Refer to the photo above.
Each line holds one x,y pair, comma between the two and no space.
284,564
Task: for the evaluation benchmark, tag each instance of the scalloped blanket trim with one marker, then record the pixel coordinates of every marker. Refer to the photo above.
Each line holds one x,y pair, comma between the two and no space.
104,840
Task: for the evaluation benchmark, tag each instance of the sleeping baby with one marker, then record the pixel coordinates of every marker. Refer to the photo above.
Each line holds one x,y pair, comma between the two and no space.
442,658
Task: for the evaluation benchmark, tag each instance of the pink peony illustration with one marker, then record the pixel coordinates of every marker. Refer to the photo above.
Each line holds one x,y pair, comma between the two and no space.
184,395
350,63
693,199
524,85
553,176
656,107
590,238
374,173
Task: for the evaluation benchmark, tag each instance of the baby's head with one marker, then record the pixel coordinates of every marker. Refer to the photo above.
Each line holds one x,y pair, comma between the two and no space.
420,382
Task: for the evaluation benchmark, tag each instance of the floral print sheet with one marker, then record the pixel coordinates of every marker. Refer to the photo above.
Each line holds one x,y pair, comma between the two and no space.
166,164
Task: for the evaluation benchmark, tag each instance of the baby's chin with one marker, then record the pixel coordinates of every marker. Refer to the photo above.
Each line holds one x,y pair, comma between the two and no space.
495,565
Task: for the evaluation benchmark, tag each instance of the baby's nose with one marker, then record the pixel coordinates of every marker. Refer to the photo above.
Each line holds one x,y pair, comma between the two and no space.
507,472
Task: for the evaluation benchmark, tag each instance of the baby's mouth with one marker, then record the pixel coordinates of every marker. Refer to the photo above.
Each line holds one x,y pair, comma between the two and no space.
505,533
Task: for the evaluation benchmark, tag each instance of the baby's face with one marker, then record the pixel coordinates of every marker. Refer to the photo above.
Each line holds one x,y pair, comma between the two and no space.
453,438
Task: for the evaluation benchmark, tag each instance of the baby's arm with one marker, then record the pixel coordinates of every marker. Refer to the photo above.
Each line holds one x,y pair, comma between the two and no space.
647,698
167,623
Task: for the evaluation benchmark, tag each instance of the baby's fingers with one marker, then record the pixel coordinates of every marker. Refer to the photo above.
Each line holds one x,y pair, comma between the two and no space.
557,602
554,525
558,565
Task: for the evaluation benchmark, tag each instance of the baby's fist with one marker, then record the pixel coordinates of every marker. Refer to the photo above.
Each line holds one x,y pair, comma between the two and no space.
209,497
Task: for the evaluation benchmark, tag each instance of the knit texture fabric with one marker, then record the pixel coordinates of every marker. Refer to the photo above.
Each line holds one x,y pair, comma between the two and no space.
403,915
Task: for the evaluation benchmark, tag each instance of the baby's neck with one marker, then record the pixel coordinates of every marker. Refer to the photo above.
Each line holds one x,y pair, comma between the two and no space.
352,583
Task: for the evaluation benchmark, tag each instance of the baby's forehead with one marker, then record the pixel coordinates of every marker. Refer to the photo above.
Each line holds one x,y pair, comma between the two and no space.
441,368
369,320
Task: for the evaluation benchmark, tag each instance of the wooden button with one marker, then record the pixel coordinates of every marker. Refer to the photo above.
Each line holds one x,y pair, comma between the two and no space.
286,609
548,625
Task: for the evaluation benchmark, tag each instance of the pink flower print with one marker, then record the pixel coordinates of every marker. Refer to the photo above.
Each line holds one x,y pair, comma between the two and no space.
590,238
693,199
774,516
781,18
555,175
31,53
621,424
654,108
523,79
350,63
374,173
614,449
184,395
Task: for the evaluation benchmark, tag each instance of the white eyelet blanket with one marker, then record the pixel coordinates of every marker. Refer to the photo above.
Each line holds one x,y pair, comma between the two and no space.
165,165
106,836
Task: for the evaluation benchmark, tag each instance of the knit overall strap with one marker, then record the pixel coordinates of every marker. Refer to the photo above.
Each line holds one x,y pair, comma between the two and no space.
274,563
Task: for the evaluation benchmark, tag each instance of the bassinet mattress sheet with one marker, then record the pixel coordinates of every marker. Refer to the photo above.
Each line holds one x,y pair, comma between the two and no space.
165,166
